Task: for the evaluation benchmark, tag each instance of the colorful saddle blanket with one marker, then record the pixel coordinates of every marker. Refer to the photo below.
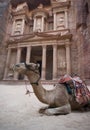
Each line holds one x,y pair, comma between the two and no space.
76,87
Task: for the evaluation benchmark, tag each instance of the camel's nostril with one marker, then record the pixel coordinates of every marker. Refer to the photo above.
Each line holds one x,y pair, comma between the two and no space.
17,65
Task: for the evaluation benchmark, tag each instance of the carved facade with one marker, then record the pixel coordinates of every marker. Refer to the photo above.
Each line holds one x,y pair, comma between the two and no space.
45,35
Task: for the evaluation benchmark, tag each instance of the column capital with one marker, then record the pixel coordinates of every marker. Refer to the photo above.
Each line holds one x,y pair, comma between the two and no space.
54,45
54,12
19,47
44,46
67,45
67,41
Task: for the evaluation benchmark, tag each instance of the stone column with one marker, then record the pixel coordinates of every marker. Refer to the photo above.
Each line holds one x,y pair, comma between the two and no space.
7,63
54,62
43,62
68,59
66,19
55,24
28,55
42,27
34,27
13,27
17,61
23,24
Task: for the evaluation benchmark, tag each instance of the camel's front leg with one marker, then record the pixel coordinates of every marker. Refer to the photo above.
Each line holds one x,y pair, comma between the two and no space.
63,110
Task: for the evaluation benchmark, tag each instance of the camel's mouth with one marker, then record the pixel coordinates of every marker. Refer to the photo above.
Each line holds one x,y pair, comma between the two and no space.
18,67
14,68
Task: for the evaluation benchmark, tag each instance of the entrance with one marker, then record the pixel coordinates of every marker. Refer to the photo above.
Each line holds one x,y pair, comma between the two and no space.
49,62
36,56
40,68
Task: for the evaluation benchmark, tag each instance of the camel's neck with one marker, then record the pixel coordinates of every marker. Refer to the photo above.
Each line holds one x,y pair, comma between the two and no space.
39,91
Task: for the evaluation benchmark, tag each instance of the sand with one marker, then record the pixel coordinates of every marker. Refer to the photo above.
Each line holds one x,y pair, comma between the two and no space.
20,112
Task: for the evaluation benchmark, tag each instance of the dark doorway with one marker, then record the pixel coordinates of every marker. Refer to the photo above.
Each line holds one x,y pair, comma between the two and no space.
36,56
40,68
49,63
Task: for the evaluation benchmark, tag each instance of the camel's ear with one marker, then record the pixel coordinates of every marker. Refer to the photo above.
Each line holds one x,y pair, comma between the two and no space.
37,66
27,66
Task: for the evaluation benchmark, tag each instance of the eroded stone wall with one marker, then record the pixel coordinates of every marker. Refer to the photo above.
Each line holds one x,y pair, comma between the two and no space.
83,40
3,23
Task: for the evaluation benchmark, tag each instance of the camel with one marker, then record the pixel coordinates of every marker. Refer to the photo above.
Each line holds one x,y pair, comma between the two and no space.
58,100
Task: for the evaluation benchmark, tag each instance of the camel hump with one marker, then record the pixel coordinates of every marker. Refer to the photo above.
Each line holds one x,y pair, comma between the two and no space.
65,78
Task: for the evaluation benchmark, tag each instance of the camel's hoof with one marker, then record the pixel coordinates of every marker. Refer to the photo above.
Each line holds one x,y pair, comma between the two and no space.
49,112
42,110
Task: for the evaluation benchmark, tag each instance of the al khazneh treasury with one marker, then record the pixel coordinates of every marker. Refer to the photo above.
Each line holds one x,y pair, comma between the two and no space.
53,36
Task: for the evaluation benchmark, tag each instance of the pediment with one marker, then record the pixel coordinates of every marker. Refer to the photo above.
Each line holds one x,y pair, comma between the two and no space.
23,38
60,3
33,38
21,8
39,36
39,11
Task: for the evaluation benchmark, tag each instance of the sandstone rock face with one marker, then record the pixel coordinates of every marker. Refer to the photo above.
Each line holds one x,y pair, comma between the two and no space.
3,24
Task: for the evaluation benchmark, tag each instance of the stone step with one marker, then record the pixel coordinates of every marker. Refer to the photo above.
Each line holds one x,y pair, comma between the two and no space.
22,82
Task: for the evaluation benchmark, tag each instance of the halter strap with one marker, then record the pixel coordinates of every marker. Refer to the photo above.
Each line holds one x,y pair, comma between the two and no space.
36,82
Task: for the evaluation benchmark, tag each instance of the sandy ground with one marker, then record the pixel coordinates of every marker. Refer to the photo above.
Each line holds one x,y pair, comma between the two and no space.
20,112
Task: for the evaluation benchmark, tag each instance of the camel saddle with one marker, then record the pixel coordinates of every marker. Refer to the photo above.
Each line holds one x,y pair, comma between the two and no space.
76,87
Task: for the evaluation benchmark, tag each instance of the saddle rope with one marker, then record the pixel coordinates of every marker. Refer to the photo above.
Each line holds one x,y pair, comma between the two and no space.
28,92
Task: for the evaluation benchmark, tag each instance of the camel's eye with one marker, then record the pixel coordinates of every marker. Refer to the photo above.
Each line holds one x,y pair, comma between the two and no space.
37,66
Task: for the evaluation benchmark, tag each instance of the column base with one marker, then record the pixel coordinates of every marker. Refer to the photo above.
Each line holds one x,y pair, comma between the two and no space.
43,79
54,79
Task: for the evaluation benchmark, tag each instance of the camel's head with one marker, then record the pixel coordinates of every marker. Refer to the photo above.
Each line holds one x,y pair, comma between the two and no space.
23,68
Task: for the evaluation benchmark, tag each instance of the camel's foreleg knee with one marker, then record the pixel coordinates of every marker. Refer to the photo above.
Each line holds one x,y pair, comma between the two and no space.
63,110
